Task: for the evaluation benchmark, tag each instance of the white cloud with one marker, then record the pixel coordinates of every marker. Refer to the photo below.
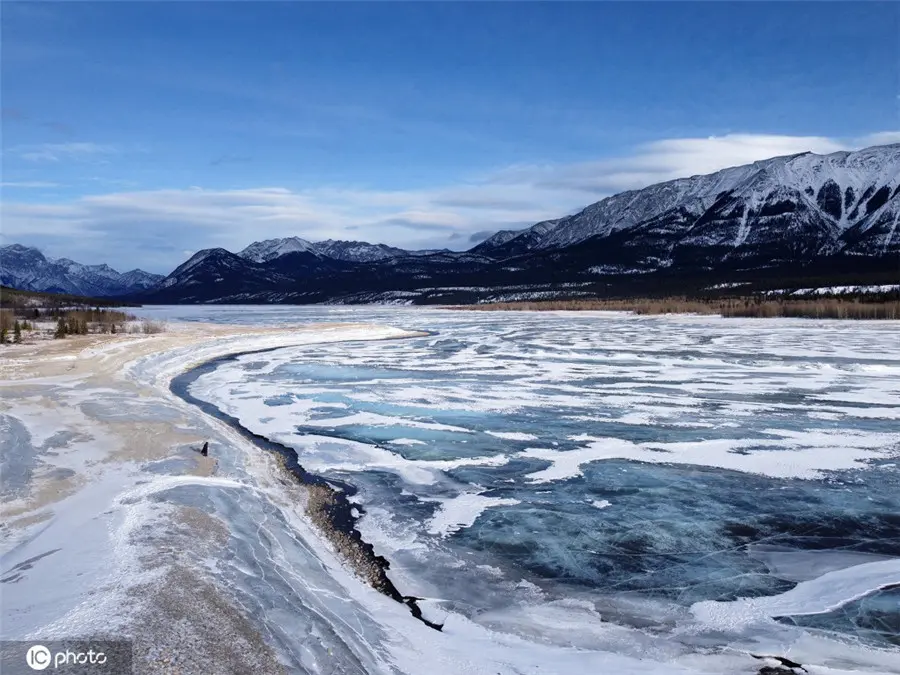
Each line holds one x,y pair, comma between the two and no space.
154,228
55,152
34,184
677,158
880,138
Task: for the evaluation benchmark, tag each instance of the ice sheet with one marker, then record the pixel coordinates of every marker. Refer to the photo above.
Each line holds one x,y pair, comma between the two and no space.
659,449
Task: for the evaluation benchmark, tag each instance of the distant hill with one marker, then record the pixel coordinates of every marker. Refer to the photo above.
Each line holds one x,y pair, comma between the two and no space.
26,268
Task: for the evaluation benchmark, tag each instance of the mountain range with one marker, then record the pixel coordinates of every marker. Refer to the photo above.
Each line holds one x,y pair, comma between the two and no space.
822,215
28,269
348,251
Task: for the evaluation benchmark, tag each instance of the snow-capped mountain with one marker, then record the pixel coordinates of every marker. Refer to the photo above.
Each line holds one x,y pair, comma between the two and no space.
833,218
361,251
215,271
28,269
269,249
356,251
512,242
798,206
348,251
827,216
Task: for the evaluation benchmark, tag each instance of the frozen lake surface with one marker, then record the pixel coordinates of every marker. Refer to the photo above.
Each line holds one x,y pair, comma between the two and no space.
651,486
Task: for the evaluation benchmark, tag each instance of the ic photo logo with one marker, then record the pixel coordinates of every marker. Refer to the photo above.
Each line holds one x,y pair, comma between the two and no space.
38,657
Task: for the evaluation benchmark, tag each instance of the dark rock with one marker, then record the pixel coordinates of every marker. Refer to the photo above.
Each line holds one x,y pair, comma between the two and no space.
787,666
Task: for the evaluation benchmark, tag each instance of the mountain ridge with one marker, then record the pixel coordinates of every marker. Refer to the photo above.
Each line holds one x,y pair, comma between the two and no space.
26,268
851,172
785,212
336,249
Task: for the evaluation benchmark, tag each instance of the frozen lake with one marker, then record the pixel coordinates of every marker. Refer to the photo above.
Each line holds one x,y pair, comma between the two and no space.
651,486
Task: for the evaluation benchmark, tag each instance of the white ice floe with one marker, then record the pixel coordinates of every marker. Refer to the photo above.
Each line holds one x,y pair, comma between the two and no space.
462,511
802,565
321,453
567,463
816,596
512,435
374,420
797,455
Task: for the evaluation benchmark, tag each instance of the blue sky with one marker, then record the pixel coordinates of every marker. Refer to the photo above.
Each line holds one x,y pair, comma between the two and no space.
137,133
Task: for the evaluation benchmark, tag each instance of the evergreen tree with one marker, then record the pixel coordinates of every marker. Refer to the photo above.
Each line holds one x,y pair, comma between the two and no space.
3,336
17,332
60,329
112,327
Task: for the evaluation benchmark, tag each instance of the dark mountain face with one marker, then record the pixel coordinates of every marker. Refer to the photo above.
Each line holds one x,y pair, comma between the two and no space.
215,273
507,244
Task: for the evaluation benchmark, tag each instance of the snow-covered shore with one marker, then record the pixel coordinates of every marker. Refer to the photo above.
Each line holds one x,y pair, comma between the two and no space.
92,437
113,523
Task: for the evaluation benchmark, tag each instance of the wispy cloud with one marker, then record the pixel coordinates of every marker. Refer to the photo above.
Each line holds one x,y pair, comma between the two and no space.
881,138
35,184
56,152
677,158
152,228
480,236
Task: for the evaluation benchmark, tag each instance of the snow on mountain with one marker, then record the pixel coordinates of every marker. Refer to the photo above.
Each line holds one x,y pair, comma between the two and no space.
356,251
348,251
845,201
499,238
518,242
778,213
269,249
27,268
138,279
185,267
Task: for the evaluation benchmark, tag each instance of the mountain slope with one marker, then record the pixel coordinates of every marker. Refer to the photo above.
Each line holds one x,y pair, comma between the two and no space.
347,251
786,208
26,268
831,217
269,249
215,275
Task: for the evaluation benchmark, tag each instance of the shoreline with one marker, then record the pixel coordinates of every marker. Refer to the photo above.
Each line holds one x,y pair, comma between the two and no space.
743,307
327,506
100,435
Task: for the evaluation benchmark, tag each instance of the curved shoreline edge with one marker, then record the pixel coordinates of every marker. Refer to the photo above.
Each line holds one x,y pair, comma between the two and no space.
328,507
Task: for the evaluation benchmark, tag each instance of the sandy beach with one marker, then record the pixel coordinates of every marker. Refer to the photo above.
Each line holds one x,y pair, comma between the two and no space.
95,435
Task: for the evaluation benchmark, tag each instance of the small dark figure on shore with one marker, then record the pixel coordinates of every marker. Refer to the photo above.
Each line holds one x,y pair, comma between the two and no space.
205,449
